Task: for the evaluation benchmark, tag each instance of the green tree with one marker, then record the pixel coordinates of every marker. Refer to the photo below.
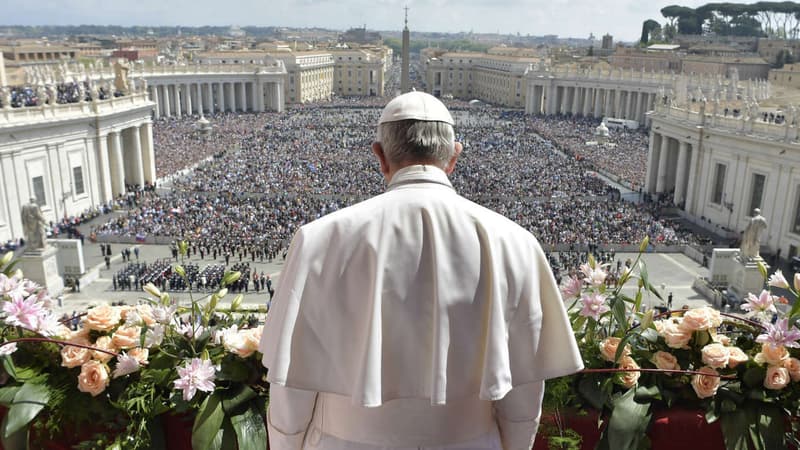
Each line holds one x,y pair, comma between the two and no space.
647,28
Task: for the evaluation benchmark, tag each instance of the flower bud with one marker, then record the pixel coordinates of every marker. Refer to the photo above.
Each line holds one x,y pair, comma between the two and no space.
231,277
180,270
763,269
6,258
797,282
151,289
237,302
644,244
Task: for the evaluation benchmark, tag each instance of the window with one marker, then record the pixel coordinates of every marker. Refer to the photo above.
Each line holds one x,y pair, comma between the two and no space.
77,180
38,190
796,227
719,184
757,193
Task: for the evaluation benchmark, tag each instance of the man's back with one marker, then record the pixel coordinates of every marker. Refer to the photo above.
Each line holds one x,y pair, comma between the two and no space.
417,277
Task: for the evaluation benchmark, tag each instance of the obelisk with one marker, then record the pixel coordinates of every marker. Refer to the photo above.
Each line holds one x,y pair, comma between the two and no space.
405,82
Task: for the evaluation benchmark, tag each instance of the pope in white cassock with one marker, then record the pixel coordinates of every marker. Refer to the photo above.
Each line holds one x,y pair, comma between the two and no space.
415,319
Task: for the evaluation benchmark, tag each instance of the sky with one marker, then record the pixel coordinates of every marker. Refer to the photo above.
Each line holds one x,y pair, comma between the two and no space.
565,18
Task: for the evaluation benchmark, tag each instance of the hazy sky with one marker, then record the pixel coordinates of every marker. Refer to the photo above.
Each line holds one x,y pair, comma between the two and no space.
566,18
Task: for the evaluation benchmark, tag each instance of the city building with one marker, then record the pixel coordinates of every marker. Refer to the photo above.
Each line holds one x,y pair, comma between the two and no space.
309,76
358,72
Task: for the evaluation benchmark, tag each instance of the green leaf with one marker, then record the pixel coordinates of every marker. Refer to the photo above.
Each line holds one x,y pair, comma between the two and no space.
208,423
28,402
771,427
16,440
240,397
7,395
251,434
21,374
621,347
734,430
754,376
647,394
619,312
234,369
592,391
628,423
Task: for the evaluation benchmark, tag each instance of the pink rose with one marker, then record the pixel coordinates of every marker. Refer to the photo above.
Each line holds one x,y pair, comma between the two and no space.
705,385
698,319
793,366
666,361
608,348
127,337
772,354
715,355
674,336
144,311
736,357
722,339
102,318
777,378
630,378
93,378
103,343
72,356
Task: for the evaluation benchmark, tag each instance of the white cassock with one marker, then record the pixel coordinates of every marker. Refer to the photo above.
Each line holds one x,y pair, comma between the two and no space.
415,319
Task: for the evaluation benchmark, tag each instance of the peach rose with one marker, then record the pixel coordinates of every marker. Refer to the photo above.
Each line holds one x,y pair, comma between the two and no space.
127,337
736,357
628,379
698,319
777,378
674,336
705,385
102,318
722,339
608,348
103,343
140,355
666,361
80,334
772,354
715,355
793,366
93,378
144,311
72,356
252,338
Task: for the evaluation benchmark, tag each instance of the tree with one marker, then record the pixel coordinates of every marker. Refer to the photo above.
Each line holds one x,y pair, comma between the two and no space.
647,28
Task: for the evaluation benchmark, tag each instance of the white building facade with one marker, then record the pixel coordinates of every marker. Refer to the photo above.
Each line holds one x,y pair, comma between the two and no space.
719,168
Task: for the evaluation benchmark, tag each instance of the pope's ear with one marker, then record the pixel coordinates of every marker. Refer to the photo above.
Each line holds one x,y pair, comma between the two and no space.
451,165
377,149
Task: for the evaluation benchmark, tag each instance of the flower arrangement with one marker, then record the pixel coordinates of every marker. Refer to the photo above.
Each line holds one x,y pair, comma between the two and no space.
740,369
125,366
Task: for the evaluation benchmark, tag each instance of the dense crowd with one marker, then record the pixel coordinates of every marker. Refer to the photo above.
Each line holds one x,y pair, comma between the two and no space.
258,177
625,159
68,92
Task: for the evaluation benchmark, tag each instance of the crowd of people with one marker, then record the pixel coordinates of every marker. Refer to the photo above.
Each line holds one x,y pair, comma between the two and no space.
60,93
247,186
625,159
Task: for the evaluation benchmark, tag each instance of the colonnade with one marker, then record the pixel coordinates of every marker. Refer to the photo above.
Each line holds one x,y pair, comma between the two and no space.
589,101
125,156
672,166
177,98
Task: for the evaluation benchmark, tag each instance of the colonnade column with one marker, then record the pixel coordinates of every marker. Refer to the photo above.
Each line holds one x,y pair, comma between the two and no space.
199,98
596,109
230,99
187,97
576,98
165,101
154,98
607,103
105,171
653,152
661,178
618,104
690,195
220,97
177,99
136,153
278,97
117,168
148,154
210,98
243,96
680,182
629,106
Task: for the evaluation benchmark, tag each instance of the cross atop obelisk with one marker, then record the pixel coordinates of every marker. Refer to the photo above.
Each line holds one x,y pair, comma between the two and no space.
405,82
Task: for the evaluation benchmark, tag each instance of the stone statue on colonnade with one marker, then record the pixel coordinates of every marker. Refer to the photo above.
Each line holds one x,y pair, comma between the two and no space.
121,77
33,225
751,237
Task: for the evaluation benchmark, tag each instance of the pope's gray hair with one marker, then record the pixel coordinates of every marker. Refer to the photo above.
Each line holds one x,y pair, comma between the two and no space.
409,141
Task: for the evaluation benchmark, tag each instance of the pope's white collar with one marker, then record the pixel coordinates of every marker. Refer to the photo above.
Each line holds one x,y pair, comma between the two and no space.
419,173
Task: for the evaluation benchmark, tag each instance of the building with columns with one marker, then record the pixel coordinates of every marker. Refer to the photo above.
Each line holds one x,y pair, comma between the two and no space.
496,79
309,76
71,157
359,72
719,168
207,89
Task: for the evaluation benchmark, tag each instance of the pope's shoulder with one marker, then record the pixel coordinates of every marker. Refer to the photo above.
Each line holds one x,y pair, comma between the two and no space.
370,211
